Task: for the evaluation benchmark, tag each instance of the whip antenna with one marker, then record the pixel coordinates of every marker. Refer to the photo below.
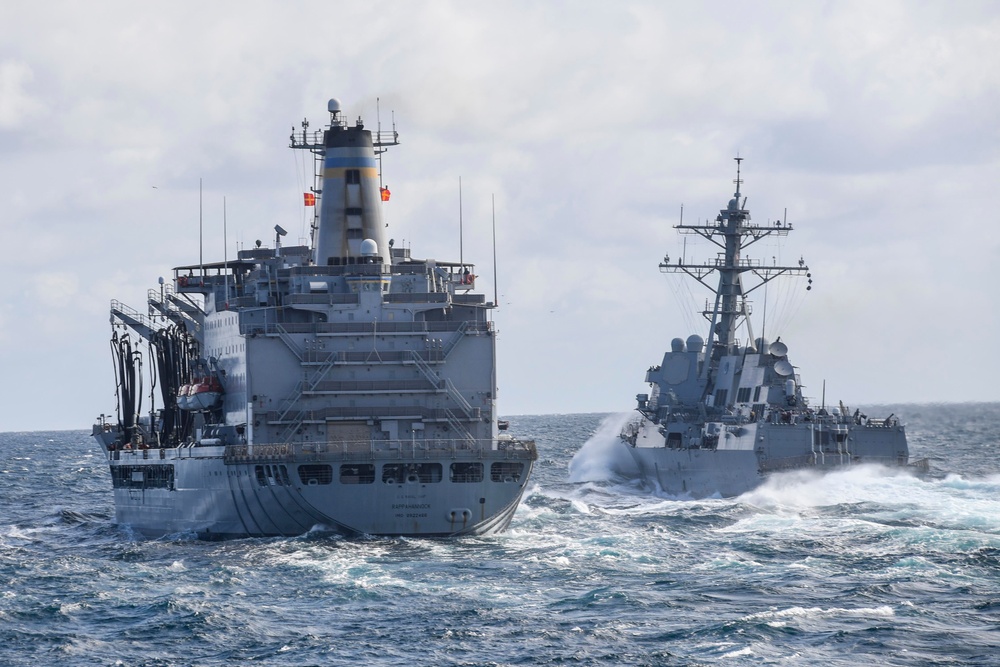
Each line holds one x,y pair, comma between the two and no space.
201,235
493,207
461,259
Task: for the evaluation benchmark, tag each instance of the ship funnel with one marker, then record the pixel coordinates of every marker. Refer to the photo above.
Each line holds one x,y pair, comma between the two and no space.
350,205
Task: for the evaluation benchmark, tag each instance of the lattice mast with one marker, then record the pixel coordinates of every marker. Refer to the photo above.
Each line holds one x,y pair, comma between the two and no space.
732,231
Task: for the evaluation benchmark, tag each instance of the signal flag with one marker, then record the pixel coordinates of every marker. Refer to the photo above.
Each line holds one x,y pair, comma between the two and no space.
310,198
385,193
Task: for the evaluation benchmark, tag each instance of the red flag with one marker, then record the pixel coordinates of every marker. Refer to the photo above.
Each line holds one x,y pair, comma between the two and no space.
385,193
310,198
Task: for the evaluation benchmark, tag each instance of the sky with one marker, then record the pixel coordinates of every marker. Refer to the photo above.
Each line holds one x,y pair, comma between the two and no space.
871,127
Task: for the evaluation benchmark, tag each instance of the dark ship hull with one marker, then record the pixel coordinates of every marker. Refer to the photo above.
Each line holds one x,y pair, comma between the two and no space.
744,453
214,492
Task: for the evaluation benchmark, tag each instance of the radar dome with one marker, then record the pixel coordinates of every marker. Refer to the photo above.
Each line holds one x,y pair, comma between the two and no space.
333,106
677,345
369,248
695,343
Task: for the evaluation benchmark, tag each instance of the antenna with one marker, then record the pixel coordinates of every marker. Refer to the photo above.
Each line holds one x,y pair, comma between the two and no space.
201,235
763,324
493,207
685,242
279,231
378,125
738,181
161,281
461,256
225,254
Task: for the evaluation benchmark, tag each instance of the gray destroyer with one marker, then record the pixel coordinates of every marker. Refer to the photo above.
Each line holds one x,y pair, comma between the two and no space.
343,385
723,414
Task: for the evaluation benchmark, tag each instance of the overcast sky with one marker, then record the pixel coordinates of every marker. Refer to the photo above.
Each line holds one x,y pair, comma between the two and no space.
873,123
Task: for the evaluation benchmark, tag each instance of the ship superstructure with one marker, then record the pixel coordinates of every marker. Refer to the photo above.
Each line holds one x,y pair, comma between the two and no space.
723,413
344,385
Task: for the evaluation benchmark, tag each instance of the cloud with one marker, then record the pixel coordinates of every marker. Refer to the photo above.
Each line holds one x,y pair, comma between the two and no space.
590,123
16,103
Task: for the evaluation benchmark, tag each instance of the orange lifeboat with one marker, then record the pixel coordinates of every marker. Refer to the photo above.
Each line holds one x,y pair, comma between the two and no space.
184,397
205,394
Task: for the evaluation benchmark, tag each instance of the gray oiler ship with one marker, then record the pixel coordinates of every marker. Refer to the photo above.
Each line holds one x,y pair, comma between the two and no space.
344,385
723,414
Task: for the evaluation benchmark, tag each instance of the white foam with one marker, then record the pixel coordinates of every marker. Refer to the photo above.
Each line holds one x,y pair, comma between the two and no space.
807,488
604,457
779,617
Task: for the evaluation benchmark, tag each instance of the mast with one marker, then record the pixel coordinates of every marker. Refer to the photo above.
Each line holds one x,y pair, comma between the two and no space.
732,232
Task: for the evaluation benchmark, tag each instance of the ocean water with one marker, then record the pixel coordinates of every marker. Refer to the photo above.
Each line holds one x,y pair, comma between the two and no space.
868,566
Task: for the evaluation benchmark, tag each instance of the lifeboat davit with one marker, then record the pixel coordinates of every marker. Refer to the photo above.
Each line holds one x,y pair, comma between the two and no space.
205,393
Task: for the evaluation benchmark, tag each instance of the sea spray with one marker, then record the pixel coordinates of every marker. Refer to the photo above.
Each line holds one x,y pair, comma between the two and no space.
604,456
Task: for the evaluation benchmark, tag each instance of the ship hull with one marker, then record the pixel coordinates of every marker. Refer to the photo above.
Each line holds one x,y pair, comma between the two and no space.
205,493
746,454
344,385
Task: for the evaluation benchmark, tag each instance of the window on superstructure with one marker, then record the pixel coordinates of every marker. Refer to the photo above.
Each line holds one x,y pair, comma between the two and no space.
313,473
424,473
506,471
392,473
274,473
357,473
466,472
720,397
154,476
352,176
411,473
743,395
